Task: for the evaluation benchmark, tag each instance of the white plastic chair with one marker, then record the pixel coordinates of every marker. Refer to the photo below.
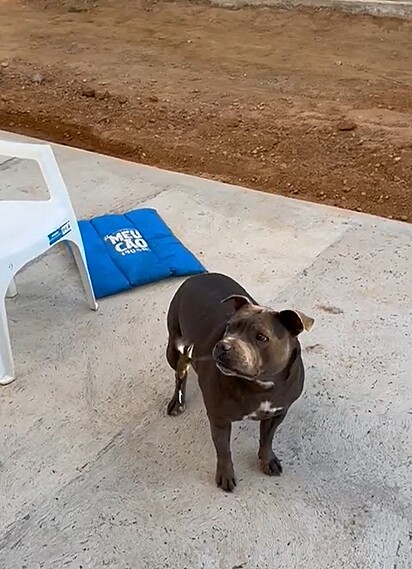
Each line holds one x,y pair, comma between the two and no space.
28,229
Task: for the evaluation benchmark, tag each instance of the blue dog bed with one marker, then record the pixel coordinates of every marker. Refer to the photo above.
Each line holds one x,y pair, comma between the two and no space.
133,249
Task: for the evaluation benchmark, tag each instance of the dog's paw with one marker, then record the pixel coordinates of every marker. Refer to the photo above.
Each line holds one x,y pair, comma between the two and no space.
225,478
271,467
176,406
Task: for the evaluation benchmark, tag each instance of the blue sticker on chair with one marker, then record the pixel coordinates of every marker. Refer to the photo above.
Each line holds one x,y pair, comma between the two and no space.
133,249
59,233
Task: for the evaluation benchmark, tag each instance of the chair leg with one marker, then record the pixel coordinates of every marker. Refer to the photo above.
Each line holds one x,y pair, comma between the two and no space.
80,258
12,289
6,357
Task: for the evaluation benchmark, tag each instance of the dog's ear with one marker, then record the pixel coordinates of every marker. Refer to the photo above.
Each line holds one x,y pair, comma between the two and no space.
295,321
238,300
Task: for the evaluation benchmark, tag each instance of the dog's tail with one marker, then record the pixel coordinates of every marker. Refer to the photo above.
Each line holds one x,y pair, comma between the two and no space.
185,358
184,348
186,352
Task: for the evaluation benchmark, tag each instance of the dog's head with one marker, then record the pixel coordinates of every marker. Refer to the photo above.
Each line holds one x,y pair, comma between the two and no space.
258,342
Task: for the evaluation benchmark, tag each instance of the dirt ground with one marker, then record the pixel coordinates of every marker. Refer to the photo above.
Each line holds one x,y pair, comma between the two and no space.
312,104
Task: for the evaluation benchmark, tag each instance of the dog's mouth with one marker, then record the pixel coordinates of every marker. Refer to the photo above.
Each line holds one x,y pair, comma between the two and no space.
231,372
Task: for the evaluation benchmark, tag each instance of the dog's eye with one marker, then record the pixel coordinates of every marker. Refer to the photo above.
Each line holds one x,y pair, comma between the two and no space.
261,337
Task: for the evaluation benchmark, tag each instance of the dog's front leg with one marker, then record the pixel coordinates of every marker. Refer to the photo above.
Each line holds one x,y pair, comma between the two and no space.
225,475
269,462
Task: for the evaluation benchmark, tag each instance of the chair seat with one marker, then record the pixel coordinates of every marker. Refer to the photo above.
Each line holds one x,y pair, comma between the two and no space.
23,223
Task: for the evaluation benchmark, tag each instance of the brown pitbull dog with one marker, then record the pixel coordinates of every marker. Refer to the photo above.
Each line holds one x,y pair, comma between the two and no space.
247,358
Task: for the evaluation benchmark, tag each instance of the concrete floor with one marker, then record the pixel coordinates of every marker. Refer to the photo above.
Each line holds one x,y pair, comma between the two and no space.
93,474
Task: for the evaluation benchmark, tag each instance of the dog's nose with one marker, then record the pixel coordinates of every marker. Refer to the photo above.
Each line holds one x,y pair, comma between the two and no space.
224,346
222,349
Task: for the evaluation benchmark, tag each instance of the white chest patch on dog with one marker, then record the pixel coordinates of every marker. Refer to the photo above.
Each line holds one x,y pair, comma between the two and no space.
266,410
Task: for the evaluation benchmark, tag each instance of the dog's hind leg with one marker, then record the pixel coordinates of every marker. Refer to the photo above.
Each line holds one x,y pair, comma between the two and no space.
180,362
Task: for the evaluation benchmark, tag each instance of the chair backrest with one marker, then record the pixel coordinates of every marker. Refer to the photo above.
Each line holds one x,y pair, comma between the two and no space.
43,155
